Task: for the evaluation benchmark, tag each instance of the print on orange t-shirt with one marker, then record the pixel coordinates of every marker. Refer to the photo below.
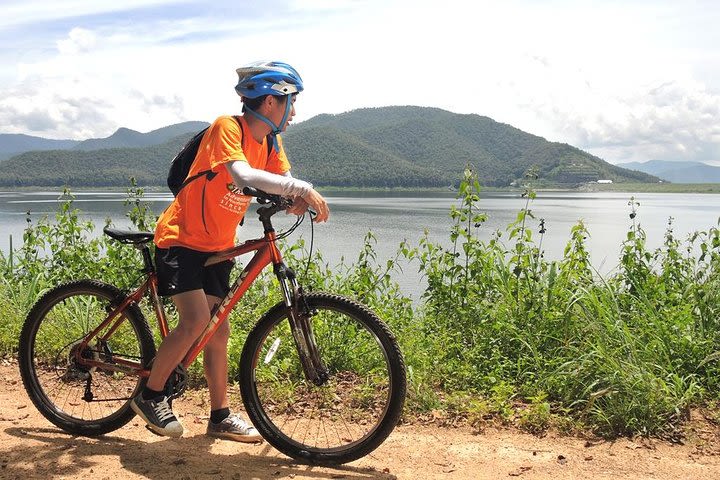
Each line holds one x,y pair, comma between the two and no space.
206,213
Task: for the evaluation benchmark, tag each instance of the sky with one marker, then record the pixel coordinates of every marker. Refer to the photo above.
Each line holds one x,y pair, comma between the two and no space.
629,80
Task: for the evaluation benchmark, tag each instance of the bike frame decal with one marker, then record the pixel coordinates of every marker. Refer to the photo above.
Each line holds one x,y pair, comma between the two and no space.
266,253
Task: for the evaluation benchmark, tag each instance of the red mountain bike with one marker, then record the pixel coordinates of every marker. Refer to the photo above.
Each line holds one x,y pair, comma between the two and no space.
321,376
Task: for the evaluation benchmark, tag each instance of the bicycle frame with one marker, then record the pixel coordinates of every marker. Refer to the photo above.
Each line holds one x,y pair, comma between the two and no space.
266,252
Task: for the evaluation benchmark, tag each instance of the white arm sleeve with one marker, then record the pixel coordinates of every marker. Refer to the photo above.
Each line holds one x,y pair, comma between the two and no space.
244,175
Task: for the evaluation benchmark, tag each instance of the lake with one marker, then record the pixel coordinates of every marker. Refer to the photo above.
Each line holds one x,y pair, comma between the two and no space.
395,216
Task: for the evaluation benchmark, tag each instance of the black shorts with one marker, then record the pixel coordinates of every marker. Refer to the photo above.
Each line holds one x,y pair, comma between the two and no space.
181,269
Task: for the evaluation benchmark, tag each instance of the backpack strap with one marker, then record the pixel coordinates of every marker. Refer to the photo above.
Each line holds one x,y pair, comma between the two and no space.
206,173
211,174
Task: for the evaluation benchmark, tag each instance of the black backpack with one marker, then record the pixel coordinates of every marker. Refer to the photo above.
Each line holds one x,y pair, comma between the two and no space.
180,165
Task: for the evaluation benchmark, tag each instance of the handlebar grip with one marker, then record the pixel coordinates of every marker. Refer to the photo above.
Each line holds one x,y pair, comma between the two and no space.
264,197
251,192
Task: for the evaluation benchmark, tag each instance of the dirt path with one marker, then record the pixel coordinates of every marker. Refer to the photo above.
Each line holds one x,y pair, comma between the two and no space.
31,447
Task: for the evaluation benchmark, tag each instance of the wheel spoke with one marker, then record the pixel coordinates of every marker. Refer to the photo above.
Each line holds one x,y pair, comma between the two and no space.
347,416
51,356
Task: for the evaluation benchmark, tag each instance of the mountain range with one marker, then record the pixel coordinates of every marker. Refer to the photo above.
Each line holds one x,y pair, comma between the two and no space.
14,144
373,147
677,172
126,138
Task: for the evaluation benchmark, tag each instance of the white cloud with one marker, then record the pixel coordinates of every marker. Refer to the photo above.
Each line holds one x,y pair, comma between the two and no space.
676,120
79,40
626,81
19,12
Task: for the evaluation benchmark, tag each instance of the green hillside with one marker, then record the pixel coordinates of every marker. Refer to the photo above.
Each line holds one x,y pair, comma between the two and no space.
97,168
437,144
380,147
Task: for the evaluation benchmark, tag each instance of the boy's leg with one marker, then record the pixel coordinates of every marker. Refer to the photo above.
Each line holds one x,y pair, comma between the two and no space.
194,316
215,361
155,409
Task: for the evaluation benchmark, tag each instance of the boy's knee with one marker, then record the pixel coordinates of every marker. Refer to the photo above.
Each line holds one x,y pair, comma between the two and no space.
222,334
192,329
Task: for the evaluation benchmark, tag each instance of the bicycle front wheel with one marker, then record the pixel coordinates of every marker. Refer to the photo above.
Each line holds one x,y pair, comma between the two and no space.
349,415
78,398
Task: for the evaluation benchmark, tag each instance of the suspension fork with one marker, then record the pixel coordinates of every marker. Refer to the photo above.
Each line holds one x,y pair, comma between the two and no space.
299,316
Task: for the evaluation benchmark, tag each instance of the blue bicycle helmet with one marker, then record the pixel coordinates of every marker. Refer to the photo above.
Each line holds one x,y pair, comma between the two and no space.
269,78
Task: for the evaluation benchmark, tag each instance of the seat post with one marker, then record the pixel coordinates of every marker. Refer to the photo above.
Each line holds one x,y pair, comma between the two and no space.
148,266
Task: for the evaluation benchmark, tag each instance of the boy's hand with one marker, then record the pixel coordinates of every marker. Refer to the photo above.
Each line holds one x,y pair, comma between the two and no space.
318,203
298,207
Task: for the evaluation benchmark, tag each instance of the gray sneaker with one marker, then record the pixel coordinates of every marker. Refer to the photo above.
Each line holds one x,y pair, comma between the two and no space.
158,415
234,428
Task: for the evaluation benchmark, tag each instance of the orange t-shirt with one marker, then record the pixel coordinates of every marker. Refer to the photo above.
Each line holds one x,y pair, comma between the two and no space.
207,211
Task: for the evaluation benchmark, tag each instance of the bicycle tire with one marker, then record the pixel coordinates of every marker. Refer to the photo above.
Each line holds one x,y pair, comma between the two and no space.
274,389
56,384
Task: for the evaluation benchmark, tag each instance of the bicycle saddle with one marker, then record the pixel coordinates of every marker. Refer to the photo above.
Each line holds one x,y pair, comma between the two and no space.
128,236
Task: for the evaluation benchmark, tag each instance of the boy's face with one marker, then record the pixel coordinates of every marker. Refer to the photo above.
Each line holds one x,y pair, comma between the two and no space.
277,110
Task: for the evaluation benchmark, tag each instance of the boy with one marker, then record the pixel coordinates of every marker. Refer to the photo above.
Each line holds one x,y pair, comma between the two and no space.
203,219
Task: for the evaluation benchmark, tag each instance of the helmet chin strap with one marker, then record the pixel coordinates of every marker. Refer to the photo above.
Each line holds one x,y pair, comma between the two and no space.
275,128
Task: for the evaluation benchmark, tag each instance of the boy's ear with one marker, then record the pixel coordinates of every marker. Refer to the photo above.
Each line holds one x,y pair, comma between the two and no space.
269,101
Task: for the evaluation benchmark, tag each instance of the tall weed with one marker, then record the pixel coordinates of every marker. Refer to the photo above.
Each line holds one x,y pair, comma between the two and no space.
624,354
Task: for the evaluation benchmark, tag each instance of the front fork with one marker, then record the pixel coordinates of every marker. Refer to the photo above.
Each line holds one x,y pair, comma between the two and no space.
300,315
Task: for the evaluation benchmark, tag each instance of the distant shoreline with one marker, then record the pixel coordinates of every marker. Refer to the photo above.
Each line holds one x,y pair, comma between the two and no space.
652,187
710,188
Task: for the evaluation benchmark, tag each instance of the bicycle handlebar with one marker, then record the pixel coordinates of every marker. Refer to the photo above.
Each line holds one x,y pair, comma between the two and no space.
264,197
260,195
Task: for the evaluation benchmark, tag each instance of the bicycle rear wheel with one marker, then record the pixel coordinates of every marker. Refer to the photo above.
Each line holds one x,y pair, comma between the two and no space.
77,398
349,415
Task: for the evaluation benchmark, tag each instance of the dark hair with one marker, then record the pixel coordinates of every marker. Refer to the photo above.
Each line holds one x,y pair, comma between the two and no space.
254,103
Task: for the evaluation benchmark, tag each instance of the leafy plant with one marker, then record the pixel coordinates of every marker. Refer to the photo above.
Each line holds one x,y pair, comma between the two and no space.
500,331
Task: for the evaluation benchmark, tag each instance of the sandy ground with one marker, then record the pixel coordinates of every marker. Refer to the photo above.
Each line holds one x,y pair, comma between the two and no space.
31,447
